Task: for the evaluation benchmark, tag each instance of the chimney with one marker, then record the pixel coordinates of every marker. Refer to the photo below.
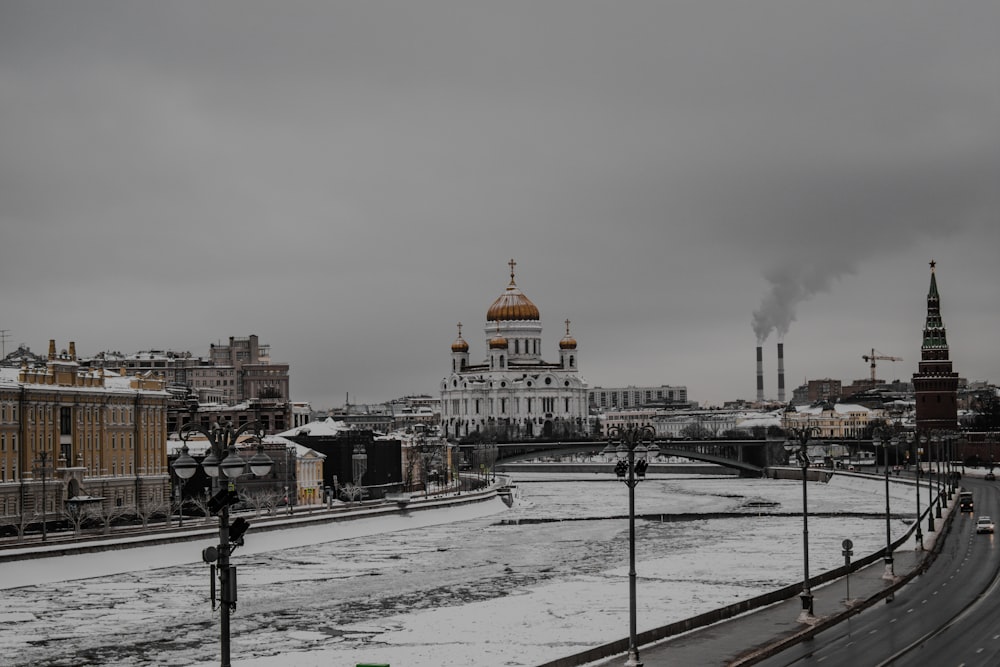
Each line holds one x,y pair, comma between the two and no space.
760,374
781,372
72,350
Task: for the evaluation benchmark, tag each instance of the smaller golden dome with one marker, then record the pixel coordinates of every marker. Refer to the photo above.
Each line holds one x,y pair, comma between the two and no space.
567,342
498,342
460,345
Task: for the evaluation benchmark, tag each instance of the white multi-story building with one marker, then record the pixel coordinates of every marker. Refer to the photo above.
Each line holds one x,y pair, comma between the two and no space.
513,394
610,398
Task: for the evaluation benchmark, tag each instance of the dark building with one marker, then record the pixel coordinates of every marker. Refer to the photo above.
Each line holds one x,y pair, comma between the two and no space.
935,384
382,460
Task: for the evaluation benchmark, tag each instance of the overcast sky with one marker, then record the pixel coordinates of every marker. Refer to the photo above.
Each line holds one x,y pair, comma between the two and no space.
348,180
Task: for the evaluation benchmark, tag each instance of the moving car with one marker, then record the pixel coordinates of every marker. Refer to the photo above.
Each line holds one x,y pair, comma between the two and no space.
965,501
984,524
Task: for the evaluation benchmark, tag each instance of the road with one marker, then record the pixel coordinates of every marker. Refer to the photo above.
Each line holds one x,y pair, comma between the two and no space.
945,617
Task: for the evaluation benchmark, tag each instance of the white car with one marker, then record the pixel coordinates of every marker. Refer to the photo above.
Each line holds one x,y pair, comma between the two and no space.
984,524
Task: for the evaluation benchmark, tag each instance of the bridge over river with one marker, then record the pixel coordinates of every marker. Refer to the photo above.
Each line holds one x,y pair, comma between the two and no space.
748,457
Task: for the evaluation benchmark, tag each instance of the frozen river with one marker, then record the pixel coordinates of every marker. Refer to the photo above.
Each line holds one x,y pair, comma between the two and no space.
486,586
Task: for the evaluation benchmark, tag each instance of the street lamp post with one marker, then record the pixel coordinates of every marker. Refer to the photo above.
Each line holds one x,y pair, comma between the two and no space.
916,456
885,438
930,439
635,443
42,465
222,441
797,443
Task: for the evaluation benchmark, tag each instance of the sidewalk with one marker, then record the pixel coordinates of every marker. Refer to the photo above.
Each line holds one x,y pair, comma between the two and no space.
777,626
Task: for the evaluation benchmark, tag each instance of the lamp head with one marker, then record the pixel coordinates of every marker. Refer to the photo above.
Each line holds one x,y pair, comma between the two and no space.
233,465
185,466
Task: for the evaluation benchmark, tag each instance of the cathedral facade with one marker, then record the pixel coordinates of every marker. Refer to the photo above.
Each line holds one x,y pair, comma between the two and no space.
514,394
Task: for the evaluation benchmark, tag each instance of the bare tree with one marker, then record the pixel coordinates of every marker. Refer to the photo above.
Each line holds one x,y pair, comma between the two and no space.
261,499
76,518
19,521
107,513
150,508
201,502
352,492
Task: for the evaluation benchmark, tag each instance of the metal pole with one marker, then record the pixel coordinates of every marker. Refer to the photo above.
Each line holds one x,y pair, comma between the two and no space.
633,650
930,486
45,519
807,598
939,487
916,457
224,581
889,574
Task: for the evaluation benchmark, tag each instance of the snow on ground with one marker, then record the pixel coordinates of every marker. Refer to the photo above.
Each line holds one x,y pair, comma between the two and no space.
487,586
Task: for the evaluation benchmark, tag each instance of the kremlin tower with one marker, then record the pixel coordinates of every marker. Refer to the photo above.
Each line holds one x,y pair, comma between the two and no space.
935,384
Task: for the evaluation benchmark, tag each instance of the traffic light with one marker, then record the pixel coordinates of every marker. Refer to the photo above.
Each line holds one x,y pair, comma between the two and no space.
236,530
223,498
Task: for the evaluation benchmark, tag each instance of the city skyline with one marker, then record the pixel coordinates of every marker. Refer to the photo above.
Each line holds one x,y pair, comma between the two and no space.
348,182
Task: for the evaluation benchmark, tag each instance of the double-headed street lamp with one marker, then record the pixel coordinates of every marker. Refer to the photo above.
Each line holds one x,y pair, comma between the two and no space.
886,436
222,455
797,443
635,444
915,438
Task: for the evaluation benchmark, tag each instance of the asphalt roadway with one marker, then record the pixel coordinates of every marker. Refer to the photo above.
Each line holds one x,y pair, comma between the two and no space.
758,635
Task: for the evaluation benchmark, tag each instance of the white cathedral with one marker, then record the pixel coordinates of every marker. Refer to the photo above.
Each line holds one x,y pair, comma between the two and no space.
514,394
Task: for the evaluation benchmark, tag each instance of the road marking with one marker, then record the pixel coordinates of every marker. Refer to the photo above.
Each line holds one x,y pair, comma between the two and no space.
871,632
909,611
894,620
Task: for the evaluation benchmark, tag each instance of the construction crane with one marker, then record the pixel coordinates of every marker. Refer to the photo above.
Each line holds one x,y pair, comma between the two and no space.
881,357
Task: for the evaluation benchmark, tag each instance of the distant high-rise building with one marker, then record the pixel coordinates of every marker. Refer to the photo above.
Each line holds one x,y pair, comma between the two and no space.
935,384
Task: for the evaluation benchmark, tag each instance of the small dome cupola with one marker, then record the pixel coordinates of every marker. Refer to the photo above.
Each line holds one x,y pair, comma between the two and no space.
512,304
498,342
567,342
460,344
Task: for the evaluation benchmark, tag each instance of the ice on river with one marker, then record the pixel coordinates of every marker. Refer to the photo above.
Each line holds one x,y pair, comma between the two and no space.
488,586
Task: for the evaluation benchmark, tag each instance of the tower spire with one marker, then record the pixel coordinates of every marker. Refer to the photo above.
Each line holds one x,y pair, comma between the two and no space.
935,383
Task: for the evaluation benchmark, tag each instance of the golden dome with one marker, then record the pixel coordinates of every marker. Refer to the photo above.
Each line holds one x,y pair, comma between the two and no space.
567,342
460,345
512,304
498,342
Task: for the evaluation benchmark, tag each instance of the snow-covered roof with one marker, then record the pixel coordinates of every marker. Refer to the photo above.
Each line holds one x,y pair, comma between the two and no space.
840,408
328,426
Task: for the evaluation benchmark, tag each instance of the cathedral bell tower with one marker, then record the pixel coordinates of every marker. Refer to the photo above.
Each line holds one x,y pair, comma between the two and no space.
935,384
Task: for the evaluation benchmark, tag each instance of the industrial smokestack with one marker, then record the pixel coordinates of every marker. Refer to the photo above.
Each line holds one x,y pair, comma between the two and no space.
781,372
760,374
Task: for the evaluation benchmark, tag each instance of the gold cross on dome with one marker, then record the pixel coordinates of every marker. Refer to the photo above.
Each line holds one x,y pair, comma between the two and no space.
512,264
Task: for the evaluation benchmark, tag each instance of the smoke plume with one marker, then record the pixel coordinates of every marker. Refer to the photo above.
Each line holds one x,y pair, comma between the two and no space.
791,285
